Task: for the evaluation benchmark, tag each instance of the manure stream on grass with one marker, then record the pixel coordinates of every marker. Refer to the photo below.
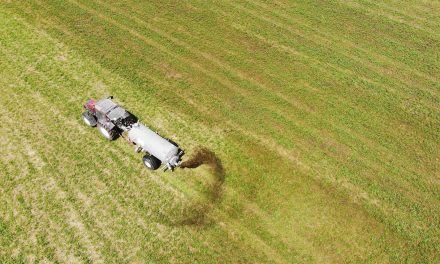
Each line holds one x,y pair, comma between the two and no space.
196,213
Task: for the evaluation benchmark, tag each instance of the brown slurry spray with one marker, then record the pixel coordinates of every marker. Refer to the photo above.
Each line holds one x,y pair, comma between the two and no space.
204,156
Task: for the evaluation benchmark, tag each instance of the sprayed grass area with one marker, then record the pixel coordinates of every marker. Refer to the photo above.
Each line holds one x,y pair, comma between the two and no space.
325,118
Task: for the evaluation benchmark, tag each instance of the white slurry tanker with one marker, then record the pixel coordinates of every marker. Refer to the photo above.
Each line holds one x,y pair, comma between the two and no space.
112,120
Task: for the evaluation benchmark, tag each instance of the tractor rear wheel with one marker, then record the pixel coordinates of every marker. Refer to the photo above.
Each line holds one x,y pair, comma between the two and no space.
151,162
89,119
108,134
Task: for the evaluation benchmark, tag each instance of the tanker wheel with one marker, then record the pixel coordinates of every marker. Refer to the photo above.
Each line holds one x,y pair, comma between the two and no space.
108,134
89,119
151,162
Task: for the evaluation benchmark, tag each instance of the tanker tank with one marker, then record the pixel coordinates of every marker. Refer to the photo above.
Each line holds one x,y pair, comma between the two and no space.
154,144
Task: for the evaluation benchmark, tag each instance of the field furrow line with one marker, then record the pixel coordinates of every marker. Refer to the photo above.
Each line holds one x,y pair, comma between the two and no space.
390,13
324,38
413,8
383,59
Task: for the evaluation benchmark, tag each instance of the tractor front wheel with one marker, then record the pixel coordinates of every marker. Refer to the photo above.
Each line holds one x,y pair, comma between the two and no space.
89,119
151,162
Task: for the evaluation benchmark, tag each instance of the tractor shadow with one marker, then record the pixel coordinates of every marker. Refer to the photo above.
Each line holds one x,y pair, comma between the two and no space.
196,214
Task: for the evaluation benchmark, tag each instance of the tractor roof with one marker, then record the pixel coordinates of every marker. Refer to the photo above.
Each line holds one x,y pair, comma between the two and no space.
112,110
105,105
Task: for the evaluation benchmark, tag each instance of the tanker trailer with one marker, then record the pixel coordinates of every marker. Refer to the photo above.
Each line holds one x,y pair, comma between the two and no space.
112,121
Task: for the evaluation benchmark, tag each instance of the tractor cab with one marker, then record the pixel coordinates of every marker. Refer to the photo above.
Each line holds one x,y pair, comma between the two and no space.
110,114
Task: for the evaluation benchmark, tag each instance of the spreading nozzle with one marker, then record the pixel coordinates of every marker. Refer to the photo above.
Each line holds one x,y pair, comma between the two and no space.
173,162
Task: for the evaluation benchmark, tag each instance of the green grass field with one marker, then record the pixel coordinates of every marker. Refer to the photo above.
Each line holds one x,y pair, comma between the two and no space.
325,115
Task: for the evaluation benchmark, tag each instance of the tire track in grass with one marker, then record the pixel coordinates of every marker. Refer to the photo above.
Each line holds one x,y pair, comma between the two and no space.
390,13
325,38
